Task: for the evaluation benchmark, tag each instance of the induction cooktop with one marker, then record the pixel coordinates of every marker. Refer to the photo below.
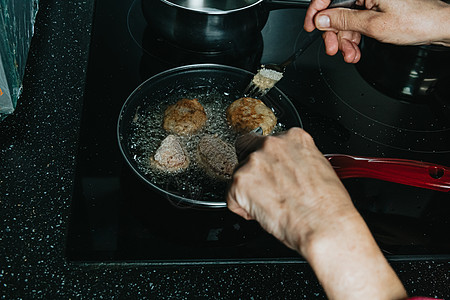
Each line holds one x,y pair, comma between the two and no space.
117,218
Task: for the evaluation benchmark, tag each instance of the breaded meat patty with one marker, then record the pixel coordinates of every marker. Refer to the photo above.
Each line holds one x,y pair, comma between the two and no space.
185,117
246,114
170,156
217,157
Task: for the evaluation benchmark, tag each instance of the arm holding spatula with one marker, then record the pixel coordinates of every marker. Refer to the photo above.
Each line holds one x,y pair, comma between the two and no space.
287,185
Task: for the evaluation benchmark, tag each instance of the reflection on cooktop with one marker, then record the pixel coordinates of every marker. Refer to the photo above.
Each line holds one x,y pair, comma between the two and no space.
417,74
184,225
367,112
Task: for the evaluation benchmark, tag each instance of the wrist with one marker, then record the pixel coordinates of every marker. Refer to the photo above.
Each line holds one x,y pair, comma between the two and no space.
324,221
330,233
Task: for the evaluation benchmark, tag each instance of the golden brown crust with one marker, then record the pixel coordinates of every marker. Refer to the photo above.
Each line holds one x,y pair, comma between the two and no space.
185,117
246,114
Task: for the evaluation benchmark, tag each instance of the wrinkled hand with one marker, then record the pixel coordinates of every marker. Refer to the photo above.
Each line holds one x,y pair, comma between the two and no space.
287,185
401,22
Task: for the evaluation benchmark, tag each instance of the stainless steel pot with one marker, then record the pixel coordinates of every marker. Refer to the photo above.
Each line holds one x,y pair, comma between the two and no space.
212,26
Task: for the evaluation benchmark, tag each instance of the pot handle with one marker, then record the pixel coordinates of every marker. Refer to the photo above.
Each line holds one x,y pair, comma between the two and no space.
403,171
278,4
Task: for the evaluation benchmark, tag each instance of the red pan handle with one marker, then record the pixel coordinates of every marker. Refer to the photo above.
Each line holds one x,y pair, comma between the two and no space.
403,171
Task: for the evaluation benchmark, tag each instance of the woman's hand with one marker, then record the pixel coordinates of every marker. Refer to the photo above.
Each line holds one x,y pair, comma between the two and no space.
287,185
400,22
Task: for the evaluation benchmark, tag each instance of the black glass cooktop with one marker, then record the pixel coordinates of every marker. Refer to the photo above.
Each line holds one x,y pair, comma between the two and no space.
116,217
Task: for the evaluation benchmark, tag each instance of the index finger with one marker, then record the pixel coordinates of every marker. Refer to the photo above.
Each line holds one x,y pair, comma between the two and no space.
314,7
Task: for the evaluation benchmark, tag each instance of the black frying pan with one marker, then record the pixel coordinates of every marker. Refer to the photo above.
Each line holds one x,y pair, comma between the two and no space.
140,131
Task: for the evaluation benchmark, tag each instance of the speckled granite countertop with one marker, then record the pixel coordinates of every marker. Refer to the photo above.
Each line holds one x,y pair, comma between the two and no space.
37,155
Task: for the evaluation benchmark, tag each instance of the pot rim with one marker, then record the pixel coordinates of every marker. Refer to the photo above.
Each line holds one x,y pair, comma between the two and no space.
213,12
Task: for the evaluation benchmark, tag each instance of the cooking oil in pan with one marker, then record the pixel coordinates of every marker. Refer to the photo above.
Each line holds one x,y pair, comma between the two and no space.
192,183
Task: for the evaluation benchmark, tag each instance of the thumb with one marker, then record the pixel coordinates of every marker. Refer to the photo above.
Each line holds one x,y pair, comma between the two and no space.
342,19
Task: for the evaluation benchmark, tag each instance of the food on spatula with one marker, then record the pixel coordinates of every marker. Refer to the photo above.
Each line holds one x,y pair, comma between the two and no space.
246,114
217,157
185,117
170,156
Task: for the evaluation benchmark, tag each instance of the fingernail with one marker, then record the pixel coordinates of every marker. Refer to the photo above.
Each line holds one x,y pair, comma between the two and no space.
323,21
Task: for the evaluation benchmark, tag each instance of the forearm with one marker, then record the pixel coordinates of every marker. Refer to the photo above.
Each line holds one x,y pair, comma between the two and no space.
348,262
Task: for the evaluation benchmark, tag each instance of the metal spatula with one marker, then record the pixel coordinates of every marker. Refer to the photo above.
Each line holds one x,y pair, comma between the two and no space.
268,75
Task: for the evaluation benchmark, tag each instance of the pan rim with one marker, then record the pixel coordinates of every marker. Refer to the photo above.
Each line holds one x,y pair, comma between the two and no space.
218,12
192,67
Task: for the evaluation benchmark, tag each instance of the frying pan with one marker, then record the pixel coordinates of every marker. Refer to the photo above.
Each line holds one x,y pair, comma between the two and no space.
216,86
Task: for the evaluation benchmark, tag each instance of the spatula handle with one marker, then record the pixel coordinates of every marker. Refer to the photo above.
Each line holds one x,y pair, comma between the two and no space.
403,171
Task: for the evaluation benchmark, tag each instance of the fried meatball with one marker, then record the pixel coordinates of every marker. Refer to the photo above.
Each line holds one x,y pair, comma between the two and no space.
246,114
170,156
217,157
185,117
